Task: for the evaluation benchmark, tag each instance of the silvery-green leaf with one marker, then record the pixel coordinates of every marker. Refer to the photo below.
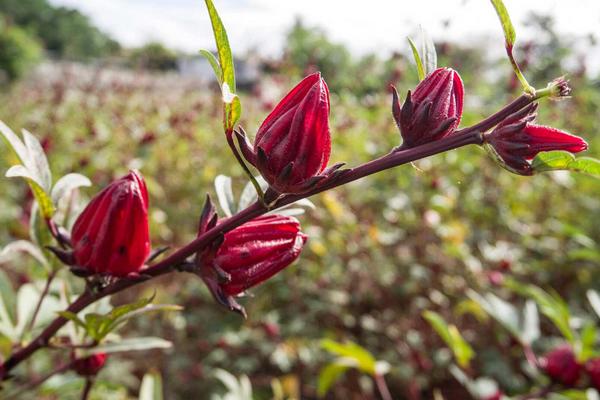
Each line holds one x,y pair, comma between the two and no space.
23,246
151,388
41,195
225,194
38,161
249,195
68,183
428,53
132,344
14,142
531,323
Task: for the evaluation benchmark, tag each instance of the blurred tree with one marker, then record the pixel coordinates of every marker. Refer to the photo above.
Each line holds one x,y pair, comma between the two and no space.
64,32
154,56
18,51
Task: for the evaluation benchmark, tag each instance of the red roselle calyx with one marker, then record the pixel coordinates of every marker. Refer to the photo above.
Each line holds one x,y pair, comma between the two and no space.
293,144
432,111
561,365
516,141
111,236
251,254
90,366
592,368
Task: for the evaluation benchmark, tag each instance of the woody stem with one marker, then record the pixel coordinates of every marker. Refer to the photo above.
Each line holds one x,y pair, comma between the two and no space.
467,136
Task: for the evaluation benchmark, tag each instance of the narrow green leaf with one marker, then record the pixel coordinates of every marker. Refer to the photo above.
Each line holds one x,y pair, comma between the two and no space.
509,31
72,317
417,57
585,350
23,246
214,63
363,358
463,352
14,142
328,376
223,48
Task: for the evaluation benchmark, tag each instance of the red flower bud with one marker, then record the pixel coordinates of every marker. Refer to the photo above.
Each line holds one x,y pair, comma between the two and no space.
111,235
293,144
561,365
432,111
516,141
90,366
257,250
592,368
251,254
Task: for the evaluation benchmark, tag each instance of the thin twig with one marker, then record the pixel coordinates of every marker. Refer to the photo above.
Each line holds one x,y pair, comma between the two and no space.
38,306
87,389
382,387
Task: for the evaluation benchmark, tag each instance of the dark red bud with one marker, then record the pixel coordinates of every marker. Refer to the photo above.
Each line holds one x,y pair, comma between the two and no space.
516,140
561,365
592,368
257,250
90,366
432,111
111,236
293,144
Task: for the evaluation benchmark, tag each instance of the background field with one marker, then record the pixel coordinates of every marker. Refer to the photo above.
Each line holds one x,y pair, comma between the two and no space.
381,251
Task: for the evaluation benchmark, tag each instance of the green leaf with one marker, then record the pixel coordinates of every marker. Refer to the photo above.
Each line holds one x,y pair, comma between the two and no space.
239,389
509,31
133,344
223,48
67,184
551,305
563,160
330,374
359,355
214,63
226,70
72,317
450,334
417,57
151,388
585,350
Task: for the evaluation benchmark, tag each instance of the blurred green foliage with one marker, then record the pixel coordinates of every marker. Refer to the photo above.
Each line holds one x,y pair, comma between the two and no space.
381,251
18,51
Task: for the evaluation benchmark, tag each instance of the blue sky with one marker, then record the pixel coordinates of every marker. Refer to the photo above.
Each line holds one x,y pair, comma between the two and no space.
380,27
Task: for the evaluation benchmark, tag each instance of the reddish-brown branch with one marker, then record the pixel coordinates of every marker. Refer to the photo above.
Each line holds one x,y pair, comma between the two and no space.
467,136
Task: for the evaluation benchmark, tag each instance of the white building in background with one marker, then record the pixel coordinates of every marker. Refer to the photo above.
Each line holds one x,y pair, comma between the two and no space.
247,71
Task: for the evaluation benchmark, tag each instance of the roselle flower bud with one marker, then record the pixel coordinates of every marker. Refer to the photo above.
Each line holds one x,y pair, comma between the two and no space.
592,368
90,366
432,111
561,365
251,254
257,250
293,144
111,235
516,141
